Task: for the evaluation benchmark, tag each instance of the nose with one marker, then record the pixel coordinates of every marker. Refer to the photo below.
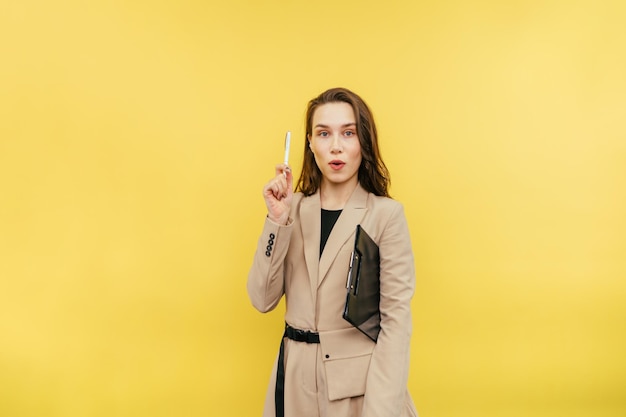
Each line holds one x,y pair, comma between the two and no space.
335,145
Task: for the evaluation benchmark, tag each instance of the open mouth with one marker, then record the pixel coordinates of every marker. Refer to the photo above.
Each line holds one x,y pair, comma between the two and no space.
336,164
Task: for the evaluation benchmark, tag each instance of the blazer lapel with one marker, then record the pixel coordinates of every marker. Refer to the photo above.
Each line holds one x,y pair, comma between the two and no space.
311,224
350,217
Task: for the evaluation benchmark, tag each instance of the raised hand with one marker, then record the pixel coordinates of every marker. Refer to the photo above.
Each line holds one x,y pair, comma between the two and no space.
278,193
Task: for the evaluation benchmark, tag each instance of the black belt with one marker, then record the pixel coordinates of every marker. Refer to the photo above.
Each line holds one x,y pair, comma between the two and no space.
299,336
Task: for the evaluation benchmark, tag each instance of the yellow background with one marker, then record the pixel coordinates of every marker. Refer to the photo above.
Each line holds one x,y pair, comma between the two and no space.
135,138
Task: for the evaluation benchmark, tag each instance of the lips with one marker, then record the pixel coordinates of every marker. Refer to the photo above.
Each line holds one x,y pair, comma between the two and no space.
336,164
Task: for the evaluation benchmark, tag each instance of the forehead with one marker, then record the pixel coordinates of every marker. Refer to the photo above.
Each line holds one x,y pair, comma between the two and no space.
335,113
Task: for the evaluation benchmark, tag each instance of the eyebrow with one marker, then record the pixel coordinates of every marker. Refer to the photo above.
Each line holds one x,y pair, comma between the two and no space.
326,126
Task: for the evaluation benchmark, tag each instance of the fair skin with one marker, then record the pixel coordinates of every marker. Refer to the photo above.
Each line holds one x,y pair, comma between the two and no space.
335,145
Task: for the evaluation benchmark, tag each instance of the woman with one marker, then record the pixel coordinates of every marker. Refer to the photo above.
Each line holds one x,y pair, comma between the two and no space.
326,367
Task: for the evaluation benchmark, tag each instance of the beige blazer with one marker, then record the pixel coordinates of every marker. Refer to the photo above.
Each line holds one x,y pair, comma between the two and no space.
287,262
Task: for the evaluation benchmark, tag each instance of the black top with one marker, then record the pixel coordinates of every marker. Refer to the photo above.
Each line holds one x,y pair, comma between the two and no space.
329,218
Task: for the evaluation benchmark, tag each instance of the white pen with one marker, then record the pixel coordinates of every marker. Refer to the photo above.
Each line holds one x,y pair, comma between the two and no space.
287,145
286,158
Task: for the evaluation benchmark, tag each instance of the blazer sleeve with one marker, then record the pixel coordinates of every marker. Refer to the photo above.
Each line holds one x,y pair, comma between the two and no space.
266,282
389,367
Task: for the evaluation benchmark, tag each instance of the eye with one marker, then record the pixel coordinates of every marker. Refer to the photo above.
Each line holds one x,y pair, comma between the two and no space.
323,133
349,133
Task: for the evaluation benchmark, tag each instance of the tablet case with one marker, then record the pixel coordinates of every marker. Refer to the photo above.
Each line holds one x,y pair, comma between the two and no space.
363,286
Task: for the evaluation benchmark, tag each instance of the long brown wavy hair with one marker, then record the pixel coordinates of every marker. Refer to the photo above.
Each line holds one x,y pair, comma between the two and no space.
373,174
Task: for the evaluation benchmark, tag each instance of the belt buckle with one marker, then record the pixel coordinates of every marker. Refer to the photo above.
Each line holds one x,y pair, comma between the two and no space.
301,335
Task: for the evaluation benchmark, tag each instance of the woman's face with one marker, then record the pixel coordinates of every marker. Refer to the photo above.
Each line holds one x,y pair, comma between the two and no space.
335,143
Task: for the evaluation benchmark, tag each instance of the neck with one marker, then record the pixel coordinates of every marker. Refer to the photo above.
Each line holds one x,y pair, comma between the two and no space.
335,196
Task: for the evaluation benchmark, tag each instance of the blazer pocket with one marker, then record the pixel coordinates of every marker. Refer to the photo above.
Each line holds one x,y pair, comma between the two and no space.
346,355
